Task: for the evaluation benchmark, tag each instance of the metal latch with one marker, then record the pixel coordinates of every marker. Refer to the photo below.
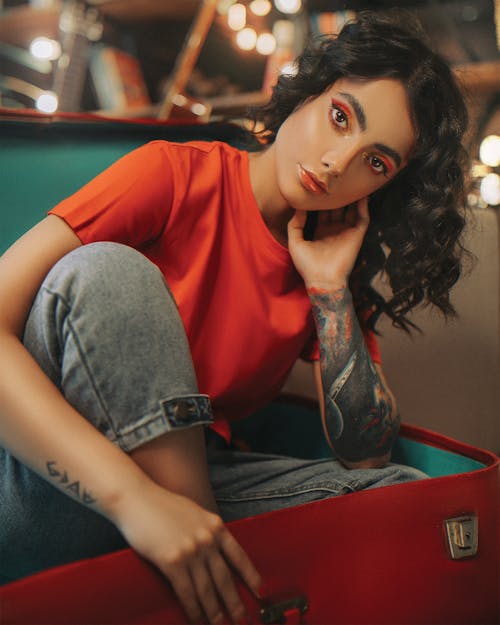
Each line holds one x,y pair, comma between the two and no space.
277,612
462,533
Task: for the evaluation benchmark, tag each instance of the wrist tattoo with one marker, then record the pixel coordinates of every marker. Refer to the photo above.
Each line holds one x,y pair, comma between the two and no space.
361,419
61,478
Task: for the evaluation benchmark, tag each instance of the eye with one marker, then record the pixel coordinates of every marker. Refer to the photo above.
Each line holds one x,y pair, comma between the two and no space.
378,165
339,116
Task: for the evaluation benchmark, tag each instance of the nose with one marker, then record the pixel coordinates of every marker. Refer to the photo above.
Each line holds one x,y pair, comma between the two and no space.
336,161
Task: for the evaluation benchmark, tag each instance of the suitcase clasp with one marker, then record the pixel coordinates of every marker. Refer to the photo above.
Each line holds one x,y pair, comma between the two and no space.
284,610
462,533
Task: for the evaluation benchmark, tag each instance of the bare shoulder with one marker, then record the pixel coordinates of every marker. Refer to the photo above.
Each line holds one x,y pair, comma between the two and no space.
26,263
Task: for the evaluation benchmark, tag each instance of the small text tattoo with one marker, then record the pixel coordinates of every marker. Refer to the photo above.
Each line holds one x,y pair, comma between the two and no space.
61,478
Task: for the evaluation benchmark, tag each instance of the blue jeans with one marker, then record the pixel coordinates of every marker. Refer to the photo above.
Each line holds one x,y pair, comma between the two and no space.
105,328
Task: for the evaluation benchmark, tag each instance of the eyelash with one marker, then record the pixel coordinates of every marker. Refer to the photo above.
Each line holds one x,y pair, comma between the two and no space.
336,106
385,167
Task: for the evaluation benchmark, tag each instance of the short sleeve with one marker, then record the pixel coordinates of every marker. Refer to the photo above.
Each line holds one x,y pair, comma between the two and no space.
129,202
310,353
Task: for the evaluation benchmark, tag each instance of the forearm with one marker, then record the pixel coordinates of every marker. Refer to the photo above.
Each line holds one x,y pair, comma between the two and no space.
360,416
44,432
177,461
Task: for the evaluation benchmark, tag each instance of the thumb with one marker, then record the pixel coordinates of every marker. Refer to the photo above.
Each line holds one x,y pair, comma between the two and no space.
363,220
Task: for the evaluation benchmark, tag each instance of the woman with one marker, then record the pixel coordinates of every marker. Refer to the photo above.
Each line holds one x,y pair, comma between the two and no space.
98,393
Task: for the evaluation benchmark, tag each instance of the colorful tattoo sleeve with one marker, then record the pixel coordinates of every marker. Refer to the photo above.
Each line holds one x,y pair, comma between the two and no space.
361,420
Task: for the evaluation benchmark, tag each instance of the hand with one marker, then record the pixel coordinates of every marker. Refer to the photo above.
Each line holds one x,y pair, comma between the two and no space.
193,549
327,261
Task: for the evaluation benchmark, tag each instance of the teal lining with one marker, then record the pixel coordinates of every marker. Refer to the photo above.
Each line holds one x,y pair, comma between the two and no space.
295,430
434,461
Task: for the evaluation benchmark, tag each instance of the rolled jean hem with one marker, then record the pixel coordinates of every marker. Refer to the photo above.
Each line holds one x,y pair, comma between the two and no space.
180,412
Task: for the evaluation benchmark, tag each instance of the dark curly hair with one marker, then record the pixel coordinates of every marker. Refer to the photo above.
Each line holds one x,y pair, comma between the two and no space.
418,217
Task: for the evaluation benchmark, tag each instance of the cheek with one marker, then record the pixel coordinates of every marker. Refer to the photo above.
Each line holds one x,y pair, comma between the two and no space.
359,185
352,189
363,181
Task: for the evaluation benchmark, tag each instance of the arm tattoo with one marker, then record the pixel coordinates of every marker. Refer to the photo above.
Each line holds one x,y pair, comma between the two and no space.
61,479
361,420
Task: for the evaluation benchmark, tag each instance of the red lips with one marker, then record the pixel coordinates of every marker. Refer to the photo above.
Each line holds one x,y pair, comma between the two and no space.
310,182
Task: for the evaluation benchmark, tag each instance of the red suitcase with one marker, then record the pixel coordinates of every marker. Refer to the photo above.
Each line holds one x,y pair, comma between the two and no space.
417,553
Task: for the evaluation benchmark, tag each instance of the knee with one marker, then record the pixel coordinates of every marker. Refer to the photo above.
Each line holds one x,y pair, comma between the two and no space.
105,272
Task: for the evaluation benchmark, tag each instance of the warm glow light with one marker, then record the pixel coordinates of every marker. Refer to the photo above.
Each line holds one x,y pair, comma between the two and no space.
246,39
288,6
198,108
260,7
179,99
284,33
490,189
47,102
237,16
489,151
266,43
45,48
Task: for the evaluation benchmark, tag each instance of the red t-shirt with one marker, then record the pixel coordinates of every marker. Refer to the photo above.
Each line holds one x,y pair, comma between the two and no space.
190,209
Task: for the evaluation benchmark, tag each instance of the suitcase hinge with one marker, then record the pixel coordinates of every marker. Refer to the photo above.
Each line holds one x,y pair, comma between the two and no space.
462,533
284,611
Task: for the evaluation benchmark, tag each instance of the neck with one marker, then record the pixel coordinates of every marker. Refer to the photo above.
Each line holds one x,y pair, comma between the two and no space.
273,207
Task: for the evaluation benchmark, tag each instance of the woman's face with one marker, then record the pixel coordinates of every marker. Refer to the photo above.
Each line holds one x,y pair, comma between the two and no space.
344,144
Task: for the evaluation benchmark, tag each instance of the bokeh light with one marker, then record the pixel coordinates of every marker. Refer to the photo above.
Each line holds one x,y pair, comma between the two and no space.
266,43
237,16
288,6
45,48
246,39
490,189
260,7
489,151
47,102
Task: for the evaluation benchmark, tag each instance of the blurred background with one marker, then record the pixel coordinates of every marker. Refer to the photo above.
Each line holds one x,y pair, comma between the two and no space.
206,60
203,60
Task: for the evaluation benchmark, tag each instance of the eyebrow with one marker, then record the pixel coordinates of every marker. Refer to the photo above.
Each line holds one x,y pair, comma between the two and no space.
361,117
390,152
358,109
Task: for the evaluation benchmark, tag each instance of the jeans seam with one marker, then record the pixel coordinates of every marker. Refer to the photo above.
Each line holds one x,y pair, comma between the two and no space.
81,353
272,494
275,494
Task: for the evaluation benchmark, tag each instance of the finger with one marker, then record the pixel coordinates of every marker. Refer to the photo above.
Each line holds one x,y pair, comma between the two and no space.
299,219
240,561
205,590
296,227
226,587
185,591
363,213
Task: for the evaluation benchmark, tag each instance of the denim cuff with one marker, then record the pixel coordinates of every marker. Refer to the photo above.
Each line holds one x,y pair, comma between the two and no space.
182,411
187,410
